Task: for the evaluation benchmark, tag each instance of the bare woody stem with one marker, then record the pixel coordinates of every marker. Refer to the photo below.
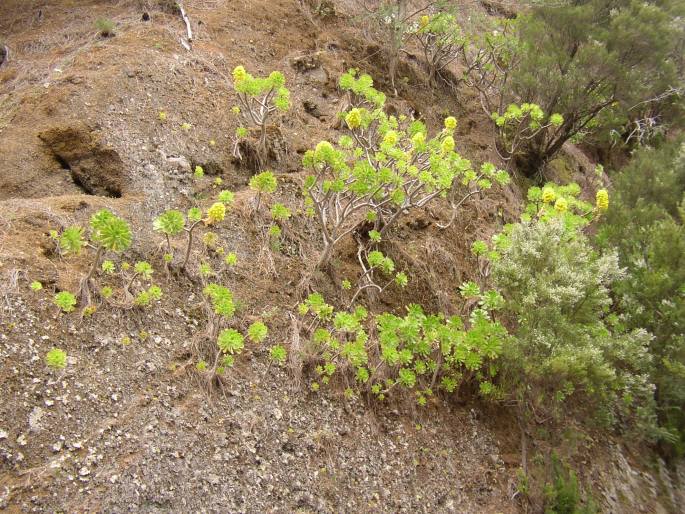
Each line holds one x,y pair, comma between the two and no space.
91,272
190,244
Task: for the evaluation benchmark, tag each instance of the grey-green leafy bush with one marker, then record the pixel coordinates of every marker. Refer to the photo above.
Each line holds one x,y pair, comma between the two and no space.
566,355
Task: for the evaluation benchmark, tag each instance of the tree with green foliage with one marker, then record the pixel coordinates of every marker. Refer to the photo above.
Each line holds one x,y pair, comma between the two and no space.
646,223
591,61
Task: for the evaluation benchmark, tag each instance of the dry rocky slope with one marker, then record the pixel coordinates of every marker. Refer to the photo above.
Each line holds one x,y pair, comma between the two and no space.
133,427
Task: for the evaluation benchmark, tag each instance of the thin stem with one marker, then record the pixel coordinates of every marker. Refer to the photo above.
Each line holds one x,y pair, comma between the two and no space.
190,244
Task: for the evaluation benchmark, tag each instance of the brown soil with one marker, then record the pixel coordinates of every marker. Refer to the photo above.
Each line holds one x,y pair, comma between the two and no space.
135,427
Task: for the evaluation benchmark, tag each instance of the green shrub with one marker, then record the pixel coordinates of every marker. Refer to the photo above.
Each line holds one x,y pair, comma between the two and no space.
278,354
646,224
565,352
257,332
440,37
172,223
598,64
105,26
108,233
418,352
562,495
263,183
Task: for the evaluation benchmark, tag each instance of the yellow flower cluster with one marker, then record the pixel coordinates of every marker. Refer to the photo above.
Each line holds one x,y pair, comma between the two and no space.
354,118
602,200
561,205
418,139
216,213
548,195
239,73
447,144
390,138
450,123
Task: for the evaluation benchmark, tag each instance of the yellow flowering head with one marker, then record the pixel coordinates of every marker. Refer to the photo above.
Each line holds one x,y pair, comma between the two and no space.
418,139
450,123
447,144
162,116
324,152
239,73
216,213
561,205
602,200
353,118
390,138
548,195
424,21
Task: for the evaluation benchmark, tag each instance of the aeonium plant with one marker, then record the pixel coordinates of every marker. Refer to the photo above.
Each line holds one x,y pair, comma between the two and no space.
383,167
171,223
259,99
108,233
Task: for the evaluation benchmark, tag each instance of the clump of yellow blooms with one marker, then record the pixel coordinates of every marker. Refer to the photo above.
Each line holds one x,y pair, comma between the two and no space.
602,200
561,205
239,73
216,213
450,123
424,21
447,144
548,195
418,139
390,138
354,118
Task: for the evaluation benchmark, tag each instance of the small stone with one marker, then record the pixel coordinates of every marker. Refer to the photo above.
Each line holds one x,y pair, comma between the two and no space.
35,418
21,440
84,471
3,434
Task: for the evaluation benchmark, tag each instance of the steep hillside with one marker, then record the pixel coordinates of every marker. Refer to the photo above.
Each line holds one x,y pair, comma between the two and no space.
130,423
